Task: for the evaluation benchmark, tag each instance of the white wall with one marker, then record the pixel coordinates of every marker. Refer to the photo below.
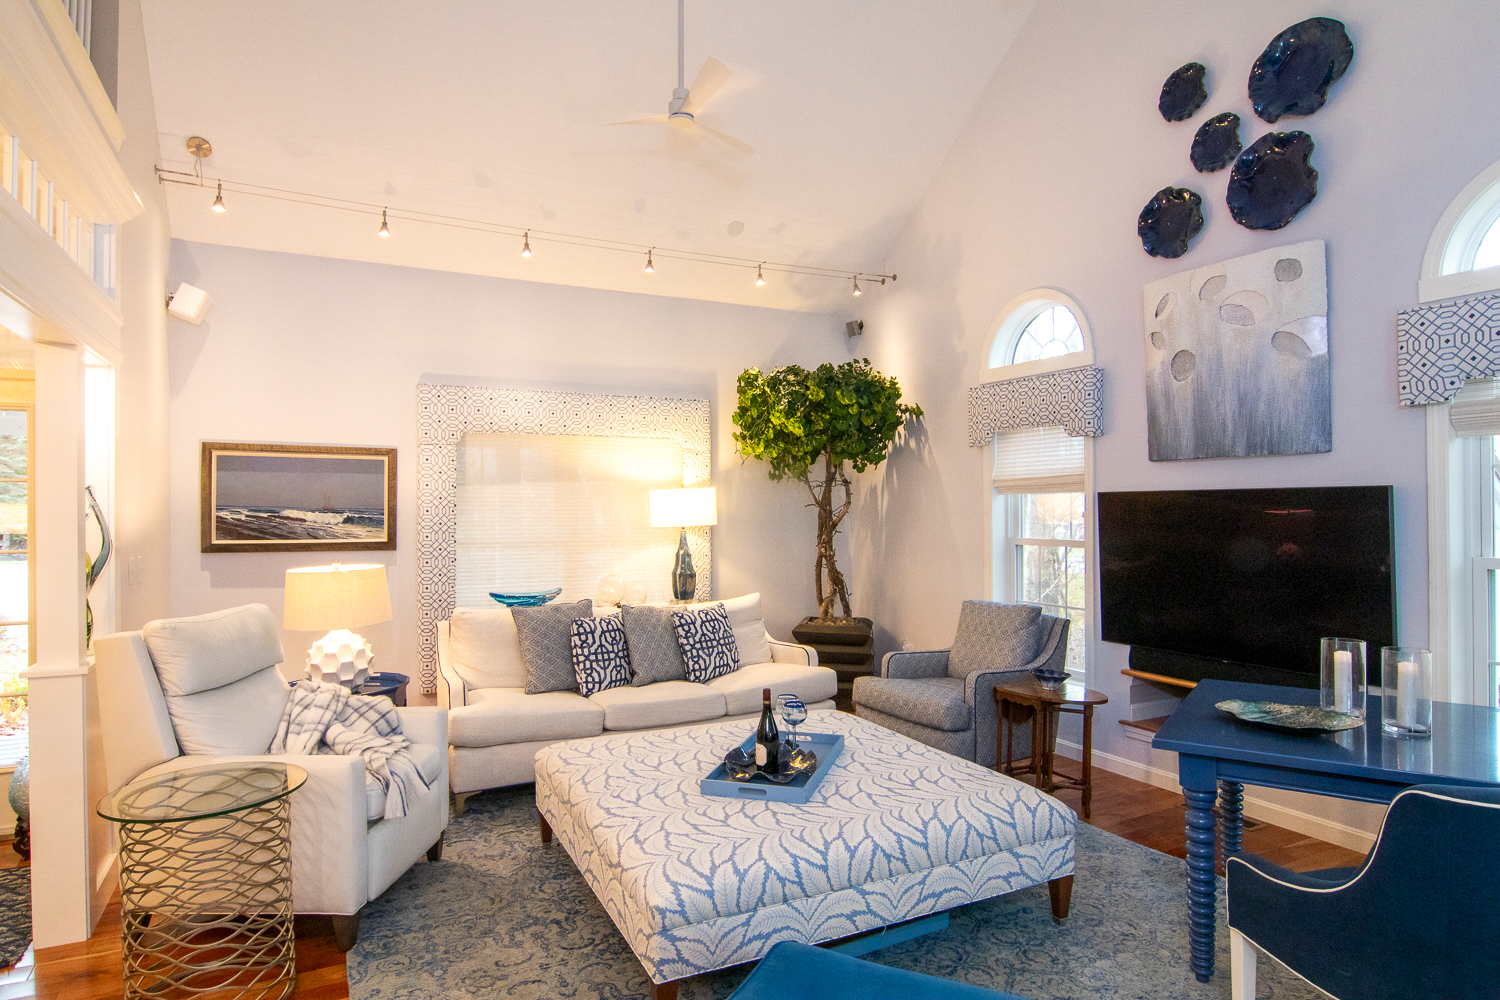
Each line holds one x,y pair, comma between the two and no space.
319,351
1043,188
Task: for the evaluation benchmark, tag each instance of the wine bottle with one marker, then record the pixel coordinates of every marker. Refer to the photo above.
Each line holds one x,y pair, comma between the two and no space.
767,738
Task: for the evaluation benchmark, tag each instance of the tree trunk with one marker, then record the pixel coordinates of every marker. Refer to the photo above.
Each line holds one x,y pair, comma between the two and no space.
828,582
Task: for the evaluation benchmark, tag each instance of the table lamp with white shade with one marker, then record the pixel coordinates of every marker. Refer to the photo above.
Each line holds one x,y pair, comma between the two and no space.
691,508
337,598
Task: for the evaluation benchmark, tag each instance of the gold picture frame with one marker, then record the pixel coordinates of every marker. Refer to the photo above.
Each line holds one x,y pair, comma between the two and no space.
297,498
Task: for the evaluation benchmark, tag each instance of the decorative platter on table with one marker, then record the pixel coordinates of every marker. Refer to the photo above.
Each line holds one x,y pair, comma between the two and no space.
525,598
1290,718
818,751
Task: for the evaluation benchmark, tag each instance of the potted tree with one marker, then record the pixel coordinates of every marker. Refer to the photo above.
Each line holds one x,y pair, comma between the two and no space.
814,426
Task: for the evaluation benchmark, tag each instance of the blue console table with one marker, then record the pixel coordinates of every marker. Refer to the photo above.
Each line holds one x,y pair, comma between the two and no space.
1218,755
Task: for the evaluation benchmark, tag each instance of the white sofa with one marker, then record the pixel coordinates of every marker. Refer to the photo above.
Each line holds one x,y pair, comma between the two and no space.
495,728
189,692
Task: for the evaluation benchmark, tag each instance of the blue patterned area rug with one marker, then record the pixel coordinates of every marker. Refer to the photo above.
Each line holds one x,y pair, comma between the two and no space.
503,916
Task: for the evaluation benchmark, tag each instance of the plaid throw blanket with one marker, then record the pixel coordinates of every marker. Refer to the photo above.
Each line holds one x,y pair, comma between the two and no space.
326,718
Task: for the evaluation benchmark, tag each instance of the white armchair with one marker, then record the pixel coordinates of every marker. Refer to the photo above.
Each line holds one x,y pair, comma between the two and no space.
188,692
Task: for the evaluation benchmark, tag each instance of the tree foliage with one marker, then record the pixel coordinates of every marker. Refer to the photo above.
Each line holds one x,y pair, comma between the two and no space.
792,419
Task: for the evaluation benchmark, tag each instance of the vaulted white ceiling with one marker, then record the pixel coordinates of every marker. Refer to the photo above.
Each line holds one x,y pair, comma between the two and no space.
494,111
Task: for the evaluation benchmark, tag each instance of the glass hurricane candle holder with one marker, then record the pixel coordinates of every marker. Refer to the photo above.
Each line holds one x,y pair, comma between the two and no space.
1406,692
1343,688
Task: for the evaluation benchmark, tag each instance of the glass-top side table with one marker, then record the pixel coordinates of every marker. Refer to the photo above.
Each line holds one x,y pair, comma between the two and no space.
206,880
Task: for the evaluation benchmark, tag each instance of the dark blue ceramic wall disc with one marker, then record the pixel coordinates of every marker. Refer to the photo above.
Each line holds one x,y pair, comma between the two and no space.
1272,181
1183,94
1169,222
1293,74
1217,143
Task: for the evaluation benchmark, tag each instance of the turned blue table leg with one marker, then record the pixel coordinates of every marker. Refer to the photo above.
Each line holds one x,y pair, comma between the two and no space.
1197,777
1231,816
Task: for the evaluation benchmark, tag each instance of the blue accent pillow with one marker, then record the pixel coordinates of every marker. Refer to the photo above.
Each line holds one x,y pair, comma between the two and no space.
707,643
600,658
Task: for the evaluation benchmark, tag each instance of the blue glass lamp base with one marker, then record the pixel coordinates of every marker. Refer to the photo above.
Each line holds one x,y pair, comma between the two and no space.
684,577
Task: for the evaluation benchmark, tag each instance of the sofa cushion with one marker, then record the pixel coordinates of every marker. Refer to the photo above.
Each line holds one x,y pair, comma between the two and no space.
600,659
741,689
509,715
210,651
652,639
669,703
238,718
429,762
934,702
707,642
546,644
994,637
748,625
486,649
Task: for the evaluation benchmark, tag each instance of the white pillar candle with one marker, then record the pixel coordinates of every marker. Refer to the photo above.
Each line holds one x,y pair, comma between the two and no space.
1408,690
1343,680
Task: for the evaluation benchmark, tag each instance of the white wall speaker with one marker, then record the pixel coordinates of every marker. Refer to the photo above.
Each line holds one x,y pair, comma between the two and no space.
189,303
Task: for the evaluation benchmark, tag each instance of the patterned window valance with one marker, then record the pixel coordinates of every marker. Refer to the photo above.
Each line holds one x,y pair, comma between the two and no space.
1072,399
1439,347
446,412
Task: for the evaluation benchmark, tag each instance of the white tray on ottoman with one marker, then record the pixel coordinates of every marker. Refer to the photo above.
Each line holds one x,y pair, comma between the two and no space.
896,831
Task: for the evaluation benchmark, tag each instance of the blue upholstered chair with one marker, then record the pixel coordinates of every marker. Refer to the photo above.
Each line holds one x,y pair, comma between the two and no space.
1420,918
945,697
792,969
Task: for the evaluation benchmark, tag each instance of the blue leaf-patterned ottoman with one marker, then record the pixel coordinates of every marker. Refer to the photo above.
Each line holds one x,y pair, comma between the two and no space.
897,830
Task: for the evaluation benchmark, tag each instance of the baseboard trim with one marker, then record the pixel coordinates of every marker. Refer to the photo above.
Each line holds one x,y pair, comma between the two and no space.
1326,830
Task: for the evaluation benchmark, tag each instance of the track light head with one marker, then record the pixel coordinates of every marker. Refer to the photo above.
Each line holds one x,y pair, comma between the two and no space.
526,244
856,286
760,279
649,268
218,205
385,230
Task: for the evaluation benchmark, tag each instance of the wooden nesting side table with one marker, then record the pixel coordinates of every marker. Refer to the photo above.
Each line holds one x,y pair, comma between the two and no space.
1025,699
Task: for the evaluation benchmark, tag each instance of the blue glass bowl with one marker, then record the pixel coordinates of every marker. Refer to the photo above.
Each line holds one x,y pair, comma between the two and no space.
1050,679
525,598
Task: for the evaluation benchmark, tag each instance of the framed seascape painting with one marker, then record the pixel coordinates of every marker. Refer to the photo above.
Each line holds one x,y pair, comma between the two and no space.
297,498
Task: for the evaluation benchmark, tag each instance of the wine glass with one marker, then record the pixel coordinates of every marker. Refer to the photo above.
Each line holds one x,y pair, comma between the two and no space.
792,711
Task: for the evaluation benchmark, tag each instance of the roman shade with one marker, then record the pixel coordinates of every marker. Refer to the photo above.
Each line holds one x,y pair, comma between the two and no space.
1038,460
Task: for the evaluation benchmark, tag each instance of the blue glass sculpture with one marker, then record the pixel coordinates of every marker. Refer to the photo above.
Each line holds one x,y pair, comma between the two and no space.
1169,222
1216,143
1293,74
1272,181
1183,93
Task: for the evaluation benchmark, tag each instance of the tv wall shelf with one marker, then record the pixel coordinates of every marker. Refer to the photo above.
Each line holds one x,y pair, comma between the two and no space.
1159,678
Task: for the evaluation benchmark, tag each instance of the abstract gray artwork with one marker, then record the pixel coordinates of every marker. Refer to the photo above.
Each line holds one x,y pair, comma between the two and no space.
1237,357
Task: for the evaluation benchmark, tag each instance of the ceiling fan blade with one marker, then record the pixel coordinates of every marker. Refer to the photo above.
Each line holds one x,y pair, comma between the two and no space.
653,120
743,148
706,84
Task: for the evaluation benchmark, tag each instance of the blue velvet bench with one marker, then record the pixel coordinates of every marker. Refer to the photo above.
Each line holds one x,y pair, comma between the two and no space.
791,969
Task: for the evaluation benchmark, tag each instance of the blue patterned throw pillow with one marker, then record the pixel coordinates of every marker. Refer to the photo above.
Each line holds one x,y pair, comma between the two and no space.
707,643
600,658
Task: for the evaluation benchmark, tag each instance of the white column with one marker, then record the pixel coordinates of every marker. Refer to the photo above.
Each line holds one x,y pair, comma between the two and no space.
62,886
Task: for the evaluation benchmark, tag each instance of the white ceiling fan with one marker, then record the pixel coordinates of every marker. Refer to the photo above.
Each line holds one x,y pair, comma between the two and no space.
689,102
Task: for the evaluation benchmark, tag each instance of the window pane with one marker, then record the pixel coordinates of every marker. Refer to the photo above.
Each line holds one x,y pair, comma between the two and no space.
1052,576
14,658
13,580
1488,254
12,444
1052,334
1051,515
13,517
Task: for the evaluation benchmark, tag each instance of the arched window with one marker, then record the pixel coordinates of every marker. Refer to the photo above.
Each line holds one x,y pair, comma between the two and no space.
1043,330
1463,255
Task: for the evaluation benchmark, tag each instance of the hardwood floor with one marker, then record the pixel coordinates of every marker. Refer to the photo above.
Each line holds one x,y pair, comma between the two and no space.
1139,812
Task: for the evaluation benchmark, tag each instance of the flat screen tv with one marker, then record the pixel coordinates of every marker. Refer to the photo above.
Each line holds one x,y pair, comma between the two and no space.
1241,584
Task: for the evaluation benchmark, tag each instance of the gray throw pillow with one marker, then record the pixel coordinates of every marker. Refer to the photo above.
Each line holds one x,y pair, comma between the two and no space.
652,638
994,637
546,639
